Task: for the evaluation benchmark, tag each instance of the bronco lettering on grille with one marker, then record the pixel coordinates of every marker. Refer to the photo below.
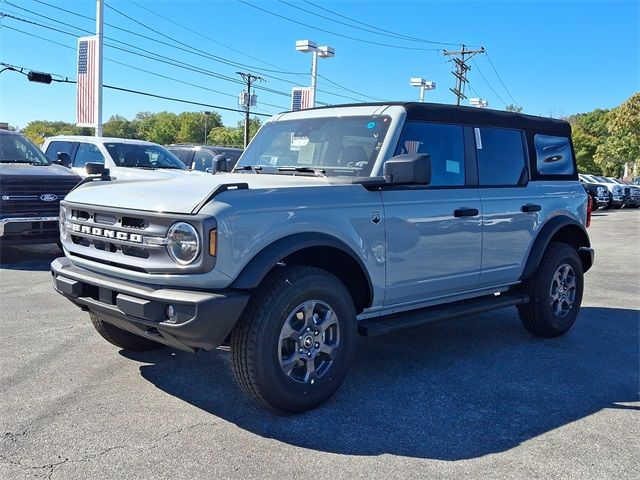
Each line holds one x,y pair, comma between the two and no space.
107,233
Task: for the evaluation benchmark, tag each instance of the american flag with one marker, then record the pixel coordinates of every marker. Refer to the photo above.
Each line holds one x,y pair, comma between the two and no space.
86,92
412,146
300,98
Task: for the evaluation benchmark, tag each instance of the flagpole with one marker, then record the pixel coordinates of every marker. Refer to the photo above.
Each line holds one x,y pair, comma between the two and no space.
98,101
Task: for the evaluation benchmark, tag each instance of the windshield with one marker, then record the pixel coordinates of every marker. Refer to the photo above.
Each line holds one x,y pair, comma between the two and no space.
143,156
17,149
602,179
332,146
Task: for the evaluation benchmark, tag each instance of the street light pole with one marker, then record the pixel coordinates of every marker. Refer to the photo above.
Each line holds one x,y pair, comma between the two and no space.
423,84
308,46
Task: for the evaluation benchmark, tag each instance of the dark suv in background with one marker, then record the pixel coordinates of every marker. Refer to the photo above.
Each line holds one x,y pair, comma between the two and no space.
31,188
200,157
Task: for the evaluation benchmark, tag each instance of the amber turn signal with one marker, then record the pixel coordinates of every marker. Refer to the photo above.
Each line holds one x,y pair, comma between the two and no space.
213,239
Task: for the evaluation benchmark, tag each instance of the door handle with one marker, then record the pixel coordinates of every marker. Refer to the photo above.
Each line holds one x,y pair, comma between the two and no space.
465,212
529,207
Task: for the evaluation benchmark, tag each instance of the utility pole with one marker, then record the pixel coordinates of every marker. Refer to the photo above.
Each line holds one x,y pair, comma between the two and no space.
247,100
98,80
206,122
461,57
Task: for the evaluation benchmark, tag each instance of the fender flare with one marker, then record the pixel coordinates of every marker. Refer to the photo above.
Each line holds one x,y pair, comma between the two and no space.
261,264
547,232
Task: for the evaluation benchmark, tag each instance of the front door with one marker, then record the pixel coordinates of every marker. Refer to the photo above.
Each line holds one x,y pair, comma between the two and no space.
434,232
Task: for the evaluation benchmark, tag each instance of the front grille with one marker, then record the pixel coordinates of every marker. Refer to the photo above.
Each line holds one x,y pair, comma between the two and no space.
29,199
127,239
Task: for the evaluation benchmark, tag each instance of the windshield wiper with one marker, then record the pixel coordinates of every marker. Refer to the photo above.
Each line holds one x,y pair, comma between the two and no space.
247,168
316,171
33,162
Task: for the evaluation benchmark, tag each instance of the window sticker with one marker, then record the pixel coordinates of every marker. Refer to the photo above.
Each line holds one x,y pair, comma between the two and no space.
452,166
478,138
305,157
297,142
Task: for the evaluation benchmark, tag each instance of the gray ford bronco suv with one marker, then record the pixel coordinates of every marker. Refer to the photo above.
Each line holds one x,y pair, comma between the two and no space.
335,221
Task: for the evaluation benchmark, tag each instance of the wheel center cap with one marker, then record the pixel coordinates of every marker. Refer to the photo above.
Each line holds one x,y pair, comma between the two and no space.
307,341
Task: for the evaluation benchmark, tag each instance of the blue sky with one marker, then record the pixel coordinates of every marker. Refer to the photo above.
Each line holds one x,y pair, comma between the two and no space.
554,57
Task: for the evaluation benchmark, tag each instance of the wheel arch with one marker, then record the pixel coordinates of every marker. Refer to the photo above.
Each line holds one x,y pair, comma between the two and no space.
312,249
559,229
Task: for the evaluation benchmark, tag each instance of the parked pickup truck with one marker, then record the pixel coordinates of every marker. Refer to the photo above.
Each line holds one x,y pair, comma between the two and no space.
336,221
31,188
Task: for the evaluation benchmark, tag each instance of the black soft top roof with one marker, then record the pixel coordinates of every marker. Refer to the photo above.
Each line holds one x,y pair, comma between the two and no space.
437,112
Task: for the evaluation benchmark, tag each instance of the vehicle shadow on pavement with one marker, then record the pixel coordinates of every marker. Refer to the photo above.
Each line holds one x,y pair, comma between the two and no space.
35,258
449,391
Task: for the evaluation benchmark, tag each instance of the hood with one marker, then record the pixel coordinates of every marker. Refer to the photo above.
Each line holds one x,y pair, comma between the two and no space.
127,173
25,172
180,194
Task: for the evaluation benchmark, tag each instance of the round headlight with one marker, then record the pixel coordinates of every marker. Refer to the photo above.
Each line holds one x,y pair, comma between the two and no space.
62,224
184,243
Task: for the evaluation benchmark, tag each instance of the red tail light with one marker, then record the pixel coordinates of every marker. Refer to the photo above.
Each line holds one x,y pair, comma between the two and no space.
589,208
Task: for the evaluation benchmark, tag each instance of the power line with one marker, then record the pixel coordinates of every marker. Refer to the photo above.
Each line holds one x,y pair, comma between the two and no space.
146,94
192,50
369,42
503,85
488,84
370,29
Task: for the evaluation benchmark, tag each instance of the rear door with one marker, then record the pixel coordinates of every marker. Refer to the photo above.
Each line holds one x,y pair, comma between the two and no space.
511,205
434,232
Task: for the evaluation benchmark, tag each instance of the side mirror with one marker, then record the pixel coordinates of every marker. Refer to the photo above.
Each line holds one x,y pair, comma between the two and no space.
64,159
220,164
408,170
94,168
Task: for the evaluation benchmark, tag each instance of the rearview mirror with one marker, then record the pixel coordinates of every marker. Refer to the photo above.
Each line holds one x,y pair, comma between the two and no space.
220,164
94,168
64,159
408,170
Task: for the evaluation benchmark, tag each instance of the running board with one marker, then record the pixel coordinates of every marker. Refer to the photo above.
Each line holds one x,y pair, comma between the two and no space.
399,321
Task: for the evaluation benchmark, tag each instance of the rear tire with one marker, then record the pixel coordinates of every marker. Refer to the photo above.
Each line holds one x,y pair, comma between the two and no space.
292,347
555,292
122,338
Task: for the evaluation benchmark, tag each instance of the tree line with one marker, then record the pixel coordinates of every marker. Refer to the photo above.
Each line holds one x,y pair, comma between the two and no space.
607,140
163,127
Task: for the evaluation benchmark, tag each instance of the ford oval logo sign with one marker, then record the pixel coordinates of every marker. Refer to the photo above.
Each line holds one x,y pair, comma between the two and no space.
48,197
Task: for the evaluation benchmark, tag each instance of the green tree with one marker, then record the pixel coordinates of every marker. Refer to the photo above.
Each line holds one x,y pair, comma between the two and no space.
159,127
621,144
589,131
38,130
234,137
192,126
120,127
513,108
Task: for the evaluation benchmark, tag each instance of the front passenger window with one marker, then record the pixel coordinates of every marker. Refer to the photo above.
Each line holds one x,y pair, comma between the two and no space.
87,152
445,145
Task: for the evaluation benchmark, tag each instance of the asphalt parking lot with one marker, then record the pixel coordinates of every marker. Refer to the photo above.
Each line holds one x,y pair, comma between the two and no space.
476,398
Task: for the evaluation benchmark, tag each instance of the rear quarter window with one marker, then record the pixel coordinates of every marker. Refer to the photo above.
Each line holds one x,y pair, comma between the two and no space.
553,155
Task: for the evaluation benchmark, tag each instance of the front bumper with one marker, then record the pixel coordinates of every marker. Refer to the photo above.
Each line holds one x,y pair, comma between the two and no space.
202,320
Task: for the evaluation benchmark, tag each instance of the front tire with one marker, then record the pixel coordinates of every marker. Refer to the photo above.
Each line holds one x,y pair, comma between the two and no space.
555,292
122,338
292,347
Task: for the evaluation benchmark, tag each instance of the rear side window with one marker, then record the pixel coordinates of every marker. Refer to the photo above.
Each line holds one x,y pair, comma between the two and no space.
87,152
501,157
445,145
553,155
58,146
